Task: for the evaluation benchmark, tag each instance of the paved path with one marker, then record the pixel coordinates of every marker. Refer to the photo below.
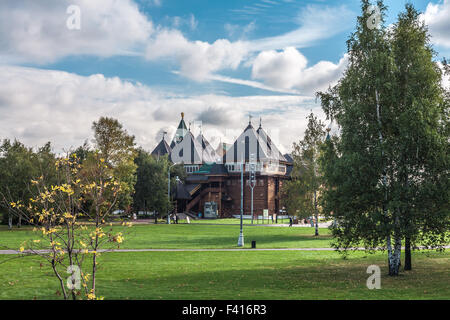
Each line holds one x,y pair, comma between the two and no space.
212,223
200,250
321,225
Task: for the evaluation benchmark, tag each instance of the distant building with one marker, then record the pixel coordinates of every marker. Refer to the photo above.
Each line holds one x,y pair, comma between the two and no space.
214,175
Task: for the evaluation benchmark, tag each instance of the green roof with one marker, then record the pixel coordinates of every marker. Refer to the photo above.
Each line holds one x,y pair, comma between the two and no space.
205,168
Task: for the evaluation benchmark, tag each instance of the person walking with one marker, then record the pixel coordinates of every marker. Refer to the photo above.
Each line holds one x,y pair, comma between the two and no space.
290,221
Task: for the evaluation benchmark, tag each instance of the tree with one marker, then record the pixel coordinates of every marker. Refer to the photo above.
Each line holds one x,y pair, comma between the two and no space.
376,173
17,167
117,148
151,183
418,142
301,193
56,212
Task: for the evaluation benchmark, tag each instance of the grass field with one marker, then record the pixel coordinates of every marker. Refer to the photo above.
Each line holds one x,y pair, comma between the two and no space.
182,236
237,275
236,221
231,274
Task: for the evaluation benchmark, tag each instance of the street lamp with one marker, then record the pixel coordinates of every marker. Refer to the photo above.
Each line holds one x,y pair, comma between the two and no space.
251,178
241,234
168,193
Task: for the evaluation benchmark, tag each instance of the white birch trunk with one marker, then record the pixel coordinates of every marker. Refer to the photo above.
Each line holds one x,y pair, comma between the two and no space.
9,219
316,213
393,257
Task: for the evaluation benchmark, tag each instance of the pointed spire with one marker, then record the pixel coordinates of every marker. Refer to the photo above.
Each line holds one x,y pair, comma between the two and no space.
180,132
260,122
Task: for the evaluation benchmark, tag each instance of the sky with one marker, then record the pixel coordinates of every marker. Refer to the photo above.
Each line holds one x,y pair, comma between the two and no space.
65,63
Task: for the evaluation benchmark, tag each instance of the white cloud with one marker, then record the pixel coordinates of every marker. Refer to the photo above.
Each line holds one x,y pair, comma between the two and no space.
250,83
43,105
32,32
316,23
437,17
197,59
36,31
279,69
288,70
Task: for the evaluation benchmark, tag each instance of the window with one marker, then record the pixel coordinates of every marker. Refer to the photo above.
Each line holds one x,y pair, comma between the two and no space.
191,169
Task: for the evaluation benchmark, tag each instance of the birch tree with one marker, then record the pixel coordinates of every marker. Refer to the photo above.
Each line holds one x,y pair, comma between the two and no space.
391,151
302,192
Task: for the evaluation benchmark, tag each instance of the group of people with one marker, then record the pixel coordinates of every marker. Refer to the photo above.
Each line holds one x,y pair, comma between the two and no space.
174,218
305,221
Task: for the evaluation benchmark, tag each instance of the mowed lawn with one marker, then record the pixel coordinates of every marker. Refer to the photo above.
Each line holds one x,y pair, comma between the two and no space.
195,236
227,274
237,275
236,221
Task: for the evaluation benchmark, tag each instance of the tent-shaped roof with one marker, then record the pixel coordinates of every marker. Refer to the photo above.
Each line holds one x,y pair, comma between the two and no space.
208,153
253,142
187,151
180,133
271,148
161,149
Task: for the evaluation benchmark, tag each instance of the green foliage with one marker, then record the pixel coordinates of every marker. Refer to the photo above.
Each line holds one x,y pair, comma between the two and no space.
151,183
18,165
301,192
117,148
387,174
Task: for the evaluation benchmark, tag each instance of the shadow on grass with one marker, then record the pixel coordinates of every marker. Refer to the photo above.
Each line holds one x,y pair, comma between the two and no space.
198,241
319,278
238,275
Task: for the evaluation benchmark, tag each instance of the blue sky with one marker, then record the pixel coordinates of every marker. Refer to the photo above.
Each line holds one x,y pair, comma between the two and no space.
261,18
145,61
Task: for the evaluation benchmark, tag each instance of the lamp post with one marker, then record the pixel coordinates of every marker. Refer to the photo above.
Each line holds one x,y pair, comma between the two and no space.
251,178
241,234
168,193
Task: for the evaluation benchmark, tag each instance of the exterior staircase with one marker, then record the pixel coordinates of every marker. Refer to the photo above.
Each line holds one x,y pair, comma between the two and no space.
199,196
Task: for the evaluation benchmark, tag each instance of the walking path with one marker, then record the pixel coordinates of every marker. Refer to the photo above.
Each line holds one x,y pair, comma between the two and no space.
246,224
200,250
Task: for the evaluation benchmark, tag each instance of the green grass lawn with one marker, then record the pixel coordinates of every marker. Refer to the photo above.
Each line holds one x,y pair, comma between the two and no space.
235,221
195,236
228,275
237,275
244,221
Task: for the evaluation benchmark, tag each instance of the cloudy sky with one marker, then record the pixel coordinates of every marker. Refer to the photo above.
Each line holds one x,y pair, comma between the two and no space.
146,61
